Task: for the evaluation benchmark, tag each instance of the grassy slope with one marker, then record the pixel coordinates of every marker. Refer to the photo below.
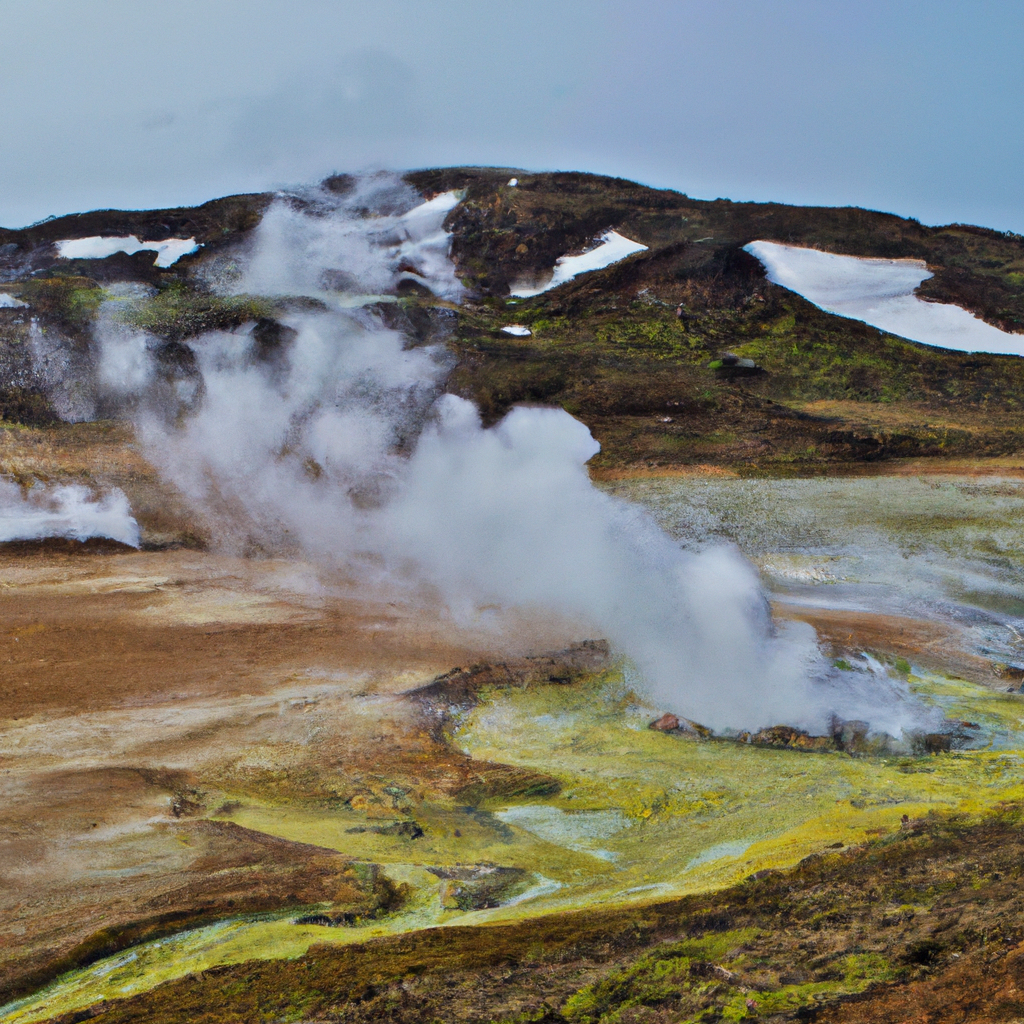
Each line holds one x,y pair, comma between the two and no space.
924,922
610,349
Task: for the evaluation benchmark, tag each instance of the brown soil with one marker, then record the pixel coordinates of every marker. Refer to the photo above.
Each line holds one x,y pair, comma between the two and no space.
933,645
171,876
134,689
100,456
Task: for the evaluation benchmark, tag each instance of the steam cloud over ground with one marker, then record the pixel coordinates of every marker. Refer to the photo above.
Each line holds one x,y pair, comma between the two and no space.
329,433
70,511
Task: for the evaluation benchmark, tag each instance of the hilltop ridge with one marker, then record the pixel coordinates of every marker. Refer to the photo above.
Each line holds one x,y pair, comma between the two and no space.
634,350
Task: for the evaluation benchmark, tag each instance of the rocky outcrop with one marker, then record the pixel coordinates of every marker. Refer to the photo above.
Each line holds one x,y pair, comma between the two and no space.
459,687
478,886
670,723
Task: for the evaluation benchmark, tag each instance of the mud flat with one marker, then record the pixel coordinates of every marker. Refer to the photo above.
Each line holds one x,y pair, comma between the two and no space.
146,696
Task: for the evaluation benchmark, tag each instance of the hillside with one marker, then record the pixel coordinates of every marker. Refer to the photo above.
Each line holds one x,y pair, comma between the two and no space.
322,701
609,346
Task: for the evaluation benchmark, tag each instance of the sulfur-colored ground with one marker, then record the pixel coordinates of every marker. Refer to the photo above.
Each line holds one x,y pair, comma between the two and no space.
189,740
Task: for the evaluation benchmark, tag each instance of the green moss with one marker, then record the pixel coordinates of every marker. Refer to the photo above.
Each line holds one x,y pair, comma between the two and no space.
178,312
71,301
701,979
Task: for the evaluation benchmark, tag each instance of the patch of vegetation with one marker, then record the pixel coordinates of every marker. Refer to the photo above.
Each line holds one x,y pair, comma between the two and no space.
859,930
27,407
703,979
71,302
177,312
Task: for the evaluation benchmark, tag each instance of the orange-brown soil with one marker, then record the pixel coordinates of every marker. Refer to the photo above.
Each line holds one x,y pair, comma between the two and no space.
101,455
146,878
938,646
137,689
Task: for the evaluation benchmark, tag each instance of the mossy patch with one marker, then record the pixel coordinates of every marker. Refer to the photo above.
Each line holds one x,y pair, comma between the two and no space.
71,302
843,930
177,312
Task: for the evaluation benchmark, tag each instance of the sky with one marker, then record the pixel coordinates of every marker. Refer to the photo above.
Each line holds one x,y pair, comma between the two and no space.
910,107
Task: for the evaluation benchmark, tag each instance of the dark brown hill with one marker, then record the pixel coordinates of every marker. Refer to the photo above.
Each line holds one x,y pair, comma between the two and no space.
609,347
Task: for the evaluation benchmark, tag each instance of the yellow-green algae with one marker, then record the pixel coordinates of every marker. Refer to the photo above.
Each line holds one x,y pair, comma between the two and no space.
660,815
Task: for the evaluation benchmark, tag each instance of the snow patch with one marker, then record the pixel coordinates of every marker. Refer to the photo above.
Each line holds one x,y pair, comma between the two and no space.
881,293
99,247
65,511
512,182
10,302
518,330
612,248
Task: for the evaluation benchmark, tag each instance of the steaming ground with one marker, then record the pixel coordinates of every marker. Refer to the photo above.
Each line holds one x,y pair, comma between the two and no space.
69,511
328,435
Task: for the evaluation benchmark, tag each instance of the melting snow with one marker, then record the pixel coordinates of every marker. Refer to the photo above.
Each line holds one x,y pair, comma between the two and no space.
613,247
518,330
10,302
881,293
512,182
99,247
68,511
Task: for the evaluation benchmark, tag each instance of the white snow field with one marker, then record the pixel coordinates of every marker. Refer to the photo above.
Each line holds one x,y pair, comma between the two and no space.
518,330
612,248
97,247
881,293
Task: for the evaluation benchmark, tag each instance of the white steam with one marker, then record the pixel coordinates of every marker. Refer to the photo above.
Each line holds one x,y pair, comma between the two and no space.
317,244
331,435
68,511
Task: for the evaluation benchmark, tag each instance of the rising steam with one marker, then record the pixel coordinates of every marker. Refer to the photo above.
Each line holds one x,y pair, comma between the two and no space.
329,433
68,510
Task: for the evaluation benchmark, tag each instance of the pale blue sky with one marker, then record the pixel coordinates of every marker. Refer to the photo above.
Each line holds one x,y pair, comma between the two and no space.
907,106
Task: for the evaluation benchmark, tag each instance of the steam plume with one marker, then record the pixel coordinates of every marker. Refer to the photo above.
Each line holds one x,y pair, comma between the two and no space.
333,436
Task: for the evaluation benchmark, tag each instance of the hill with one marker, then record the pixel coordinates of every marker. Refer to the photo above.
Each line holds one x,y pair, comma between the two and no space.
609,346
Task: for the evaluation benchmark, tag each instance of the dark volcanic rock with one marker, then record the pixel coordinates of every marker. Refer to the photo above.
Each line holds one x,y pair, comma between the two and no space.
460,686
272,340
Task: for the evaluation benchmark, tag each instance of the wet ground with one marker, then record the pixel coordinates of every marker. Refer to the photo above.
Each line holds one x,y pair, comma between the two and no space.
930,566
